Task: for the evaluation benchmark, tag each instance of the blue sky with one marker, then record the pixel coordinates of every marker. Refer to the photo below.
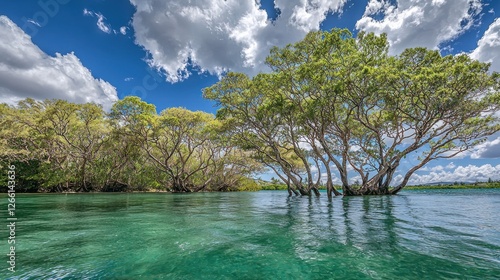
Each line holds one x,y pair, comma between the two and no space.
167,51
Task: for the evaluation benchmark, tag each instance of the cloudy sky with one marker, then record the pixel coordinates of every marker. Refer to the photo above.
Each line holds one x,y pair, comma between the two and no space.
166,51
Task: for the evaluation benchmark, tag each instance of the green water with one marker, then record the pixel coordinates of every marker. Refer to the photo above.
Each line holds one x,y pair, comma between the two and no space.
452,234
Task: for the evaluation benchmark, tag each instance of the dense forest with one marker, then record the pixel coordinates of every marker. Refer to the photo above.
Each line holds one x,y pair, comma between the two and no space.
332,104
60,146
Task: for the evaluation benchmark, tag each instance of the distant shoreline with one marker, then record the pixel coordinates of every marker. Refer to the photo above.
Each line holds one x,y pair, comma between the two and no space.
444,187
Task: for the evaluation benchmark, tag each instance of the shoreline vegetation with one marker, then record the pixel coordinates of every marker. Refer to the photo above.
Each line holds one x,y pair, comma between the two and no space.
58,146
333,106
277,186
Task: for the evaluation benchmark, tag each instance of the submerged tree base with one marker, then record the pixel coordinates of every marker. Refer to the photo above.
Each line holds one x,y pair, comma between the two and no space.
370,192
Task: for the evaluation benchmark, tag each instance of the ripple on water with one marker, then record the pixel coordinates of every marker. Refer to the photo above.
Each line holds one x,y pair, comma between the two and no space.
263,235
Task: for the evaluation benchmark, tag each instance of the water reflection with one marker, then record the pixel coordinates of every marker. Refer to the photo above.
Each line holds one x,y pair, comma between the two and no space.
399,229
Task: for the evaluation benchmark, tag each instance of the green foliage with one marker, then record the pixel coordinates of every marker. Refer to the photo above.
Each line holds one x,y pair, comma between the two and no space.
483,185
332,103
61,146
247,184
335,100
26,175
274,187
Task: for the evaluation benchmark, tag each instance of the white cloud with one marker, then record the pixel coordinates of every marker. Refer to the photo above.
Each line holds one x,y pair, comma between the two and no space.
123,30
87,12
469,173
355,180
488,149
217,36
103,26
34,22
437,168
488,47
314,169
304,145
419,23
450,165
26,71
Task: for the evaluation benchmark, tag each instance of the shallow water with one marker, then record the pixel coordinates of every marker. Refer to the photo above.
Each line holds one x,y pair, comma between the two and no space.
448,234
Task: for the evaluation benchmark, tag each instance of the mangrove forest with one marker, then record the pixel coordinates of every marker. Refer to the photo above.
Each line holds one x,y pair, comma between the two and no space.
331,108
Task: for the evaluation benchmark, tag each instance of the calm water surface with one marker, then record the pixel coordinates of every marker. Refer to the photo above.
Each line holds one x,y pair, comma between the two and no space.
449,234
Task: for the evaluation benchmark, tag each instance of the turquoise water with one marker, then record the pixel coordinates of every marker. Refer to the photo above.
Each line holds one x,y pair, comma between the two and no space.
449,234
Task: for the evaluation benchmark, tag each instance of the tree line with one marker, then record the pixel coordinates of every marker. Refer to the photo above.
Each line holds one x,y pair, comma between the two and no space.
61,146
333,109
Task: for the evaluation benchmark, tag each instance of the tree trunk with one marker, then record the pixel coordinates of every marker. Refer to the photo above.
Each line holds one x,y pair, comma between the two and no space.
368,190
291,190
316,191
304,192
177,185
348,191
330,188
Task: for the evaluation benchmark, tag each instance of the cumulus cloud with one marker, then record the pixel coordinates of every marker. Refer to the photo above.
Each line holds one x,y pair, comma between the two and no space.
419,23
469,173
488,149
26,71
437,168
103,26
218,36
488,47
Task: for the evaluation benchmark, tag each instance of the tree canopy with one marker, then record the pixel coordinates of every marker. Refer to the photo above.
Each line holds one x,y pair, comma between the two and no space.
62,146
343,106
334,110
